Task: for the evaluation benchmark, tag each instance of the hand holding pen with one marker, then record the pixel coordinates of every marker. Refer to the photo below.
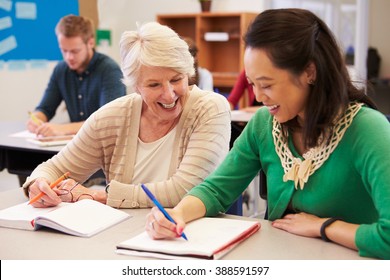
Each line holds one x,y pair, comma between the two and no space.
34,118
33,122
39,196
161,208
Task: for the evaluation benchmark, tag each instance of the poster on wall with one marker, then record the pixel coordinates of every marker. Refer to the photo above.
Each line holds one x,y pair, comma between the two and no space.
27,28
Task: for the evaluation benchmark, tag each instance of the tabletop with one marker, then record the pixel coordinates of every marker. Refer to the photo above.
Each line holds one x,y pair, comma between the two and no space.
8,128
267,244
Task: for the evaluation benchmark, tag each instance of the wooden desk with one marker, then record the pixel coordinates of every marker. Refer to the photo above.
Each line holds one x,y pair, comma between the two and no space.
19,156
269,243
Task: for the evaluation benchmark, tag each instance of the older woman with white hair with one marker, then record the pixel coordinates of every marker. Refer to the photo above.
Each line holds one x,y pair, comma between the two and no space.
166,134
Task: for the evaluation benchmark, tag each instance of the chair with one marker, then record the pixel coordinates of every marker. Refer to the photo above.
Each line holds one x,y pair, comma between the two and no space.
236,207
263,190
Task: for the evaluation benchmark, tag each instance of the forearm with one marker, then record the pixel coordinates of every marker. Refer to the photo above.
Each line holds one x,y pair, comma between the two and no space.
71,128
99,195
342,233
191,208
40,116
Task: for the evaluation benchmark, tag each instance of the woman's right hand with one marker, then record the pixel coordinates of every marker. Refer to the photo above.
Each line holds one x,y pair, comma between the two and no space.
159,227
32,126
49,199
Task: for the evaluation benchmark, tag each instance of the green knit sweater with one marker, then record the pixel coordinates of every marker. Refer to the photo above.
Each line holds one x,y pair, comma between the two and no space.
353,183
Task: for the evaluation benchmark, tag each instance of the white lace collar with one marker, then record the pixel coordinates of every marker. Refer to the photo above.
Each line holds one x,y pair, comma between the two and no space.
299,170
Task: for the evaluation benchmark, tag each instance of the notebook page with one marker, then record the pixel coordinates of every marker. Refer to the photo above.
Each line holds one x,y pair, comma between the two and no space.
21,215
83,218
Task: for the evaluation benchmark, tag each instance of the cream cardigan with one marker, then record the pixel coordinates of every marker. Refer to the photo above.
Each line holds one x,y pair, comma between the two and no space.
108,140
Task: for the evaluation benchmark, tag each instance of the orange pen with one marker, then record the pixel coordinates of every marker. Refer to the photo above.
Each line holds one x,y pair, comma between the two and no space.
52,185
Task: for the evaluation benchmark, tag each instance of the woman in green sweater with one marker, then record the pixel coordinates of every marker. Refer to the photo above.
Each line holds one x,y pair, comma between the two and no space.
321,143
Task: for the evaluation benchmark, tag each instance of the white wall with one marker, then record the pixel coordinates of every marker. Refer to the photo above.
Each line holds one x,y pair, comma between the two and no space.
21,91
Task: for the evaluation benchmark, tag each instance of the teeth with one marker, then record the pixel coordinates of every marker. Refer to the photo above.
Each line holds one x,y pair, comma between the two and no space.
272,107
168,106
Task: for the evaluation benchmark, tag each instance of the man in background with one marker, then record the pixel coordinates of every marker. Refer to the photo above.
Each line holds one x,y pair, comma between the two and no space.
85,80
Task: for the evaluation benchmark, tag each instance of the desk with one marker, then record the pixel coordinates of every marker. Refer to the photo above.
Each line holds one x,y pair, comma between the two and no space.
269,243
19,156
241,116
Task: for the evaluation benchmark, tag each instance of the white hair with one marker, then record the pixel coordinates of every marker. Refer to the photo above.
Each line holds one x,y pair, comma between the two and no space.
155,45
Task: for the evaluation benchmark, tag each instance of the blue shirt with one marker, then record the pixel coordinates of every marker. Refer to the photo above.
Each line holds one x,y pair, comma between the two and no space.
83,93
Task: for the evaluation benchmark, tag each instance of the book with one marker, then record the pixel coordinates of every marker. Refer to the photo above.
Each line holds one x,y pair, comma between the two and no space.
208,238
83,218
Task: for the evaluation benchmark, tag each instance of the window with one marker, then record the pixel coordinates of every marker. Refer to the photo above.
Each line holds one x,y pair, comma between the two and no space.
345,18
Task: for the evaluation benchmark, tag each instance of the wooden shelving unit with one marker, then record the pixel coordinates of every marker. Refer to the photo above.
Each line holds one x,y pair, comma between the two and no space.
223,59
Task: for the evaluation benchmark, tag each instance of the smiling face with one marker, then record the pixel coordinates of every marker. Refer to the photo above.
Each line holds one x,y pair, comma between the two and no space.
164,92
76,53
284,94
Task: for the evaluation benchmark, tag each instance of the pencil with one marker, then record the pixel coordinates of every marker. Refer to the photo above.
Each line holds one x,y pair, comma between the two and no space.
52,185
34,118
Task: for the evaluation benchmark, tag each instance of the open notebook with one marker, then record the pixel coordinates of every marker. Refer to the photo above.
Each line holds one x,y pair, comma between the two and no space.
83,218
208,238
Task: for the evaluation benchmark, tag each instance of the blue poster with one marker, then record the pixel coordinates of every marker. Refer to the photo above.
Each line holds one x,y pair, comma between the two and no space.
27,28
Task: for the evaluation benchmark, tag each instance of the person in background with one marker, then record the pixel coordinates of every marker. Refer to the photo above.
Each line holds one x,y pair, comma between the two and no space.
203,77
240,87
319,139
166,134
85,80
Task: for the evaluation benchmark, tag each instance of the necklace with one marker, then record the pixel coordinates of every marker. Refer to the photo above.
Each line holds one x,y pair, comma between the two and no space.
299,170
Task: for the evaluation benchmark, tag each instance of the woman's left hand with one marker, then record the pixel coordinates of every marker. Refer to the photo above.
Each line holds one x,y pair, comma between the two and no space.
72,191
300,224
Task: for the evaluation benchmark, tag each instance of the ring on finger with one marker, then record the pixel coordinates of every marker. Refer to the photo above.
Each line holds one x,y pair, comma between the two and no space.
42,202
151,225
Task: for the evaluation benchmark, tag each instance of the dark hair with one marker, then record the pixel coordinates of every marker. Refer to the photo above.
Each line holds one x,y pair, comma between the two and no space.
193,49
294,38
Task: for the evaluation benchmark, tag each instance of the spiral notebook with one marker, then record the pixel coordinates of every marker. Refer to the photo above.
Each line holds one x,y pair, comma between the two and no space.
208,238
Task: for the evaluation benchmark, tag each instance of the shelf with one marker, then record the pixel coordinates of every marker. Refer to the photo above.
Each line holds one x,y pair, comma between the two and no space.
224,79
223,58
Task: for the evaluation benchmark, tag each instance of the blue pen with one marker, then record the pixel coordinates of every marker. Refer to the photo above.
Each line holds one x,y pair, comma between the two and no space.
159,206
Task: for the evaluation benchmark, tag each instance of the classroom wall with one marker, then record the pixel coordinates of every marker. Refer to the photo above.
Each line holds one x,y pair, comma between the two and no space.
20,91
